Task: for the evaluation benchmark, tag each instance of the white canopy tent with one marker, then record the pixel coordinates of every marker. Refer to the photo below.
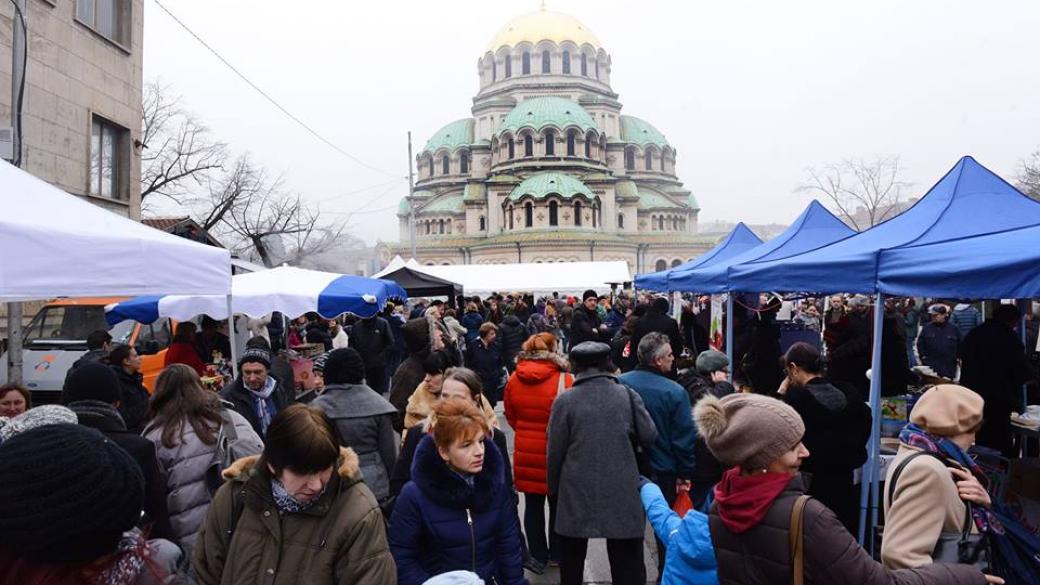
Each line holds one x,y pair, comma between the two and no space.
535,278
53,244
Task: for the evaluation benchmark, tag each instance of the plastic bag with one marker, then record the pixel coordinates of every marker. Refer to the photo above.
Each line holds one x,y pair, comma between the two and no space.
683,503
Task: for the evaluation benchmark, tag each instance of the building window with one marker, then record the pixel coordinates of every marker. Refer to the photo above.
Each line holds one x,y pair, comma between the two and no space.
676,262
528,214
528,145
106,17
648,160
675,224
554,213
510,218
429,163
660,265
509,66
107,159
483,223
441,224
525,63
464,163
630,160
597,68
572,144
621,220
660,223
595,212
546,62
577,213
512,149
550,143
494,70
445,165
588,146
566,62
584,65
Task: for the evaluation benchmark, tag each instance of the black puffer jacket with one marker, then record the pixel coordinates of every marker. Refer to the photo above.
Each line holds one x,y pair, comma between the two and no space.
708,470
511,336
133,405
761,555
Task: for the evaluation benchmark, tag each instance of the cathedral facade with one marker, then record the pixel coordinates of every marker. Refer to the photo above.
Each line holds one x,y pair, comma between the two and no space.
548,169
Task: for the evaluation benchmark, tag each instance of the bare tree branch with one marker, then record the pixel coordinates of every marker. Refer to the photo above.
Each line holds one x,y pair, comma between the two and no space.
864,192
1029,176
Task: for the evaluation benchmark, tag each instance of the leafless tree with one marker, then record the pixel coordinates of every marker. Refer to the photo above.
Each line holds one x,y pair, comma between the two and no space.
1029,176
177,151
864,192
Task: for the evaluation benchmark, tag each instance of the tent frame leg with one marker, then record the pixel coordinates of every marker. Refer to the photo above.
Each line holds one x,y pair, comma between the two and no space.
870,476
729,334
231,334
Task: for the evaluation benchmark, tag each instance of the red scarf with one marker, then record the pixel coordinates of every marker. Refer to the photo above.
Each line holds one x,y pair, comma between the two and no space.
744,499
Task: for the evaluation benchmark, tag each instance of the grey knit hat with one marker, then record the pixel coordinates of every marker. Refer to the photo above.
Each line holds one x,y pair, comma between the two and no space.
46,414
749,430
711,361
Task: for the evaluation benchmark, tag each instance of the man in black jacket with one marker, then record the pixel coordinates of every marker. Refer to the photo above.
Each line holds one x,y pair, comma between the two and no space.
256,394
374,341
93,393
586,325
657,320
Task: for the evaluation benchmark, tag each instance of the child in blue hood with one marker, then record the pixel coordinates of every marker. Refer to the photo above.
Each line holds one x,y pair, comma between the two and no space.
690,556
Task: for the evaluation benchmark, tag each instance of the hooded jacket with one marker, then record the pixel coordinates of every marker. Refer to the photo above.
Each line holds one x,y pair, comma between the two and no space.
689,555
105,418
185,466
472,321
340,539
422,403
416,334
442,523
529,396
364,420
759,554
511,335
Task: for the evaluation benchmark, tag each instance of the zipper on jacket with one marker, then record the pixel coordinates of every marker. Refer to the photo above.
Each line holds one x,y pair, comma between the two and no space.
472,540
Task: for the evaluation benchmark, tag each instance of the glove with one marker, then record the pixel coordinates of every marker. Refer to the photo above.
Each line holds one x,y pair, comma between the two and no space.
643,480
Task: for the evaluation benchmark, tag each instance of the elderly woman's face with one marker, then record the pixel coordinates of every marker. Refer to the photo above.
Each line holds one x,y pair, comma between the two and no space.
789,462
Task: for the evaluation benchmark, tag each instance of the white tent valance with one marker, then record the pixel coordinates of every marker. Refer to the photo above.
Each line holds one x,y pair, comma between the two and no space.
535,278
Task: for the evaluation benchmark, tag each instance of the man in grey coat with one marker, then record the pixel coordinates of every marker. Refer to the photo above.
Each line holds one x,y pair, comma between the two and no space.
363,418
592,470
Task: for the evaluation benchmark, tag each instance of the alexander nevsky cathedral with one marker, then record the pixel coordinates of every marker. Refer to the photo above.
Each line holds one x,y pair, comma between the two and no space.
548,169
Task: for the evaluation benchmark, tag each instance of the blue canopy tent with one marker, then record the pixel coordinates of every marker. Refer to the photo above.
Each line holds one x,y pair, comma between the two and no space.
970,200
736,242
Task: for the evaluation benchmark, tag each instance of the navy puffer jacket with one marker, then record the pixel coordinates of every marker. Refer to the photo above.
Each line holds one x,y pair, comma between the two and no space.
441,523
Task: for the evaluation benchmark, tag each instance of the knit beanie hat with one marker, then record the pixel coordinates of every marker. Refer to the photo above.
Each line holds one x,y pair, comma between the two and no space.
749,430
711,361
318,365
257,355
47,414
92,381
67,494
589,294
344,366
947,410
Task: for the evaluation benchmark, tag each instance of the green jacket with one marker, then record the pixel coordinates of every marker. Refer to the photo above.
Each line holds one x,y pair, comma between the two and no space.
339,540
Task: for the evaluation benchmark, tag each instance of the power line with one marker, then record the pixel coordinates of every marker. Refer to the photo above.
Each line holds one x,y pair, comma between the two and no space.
289,114
361,190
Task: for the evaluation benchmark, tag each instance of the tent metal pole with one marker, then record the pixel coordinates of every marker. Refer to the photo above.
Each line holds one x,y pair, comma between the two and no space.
231,330
871,471
729,334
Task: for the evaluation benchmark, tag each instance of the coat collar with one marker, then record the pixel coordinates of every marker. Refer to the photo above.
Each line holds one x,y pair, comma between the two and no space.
547,356
98,415
592,374
253,478
447,488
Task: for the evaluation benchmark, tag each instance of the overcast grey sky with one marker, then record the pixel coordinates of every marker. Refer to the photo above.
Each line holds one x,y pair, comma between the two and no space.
750,93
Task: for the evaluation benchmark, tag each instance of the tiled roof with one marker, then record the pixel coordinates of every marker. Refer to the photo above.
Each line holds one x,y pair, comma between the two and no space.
649,199
543,184
445,203
537,113
163,223
641,132
458,133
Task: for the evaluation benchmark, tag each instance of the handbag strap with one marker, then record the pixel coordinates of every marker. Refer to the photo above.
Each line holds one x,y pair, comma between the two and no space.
899,471
561,383
797,540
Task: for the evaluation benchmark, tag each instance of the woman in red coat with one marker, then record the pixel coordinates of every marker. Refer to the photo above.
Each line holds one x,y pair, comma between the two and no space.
541,374
182,350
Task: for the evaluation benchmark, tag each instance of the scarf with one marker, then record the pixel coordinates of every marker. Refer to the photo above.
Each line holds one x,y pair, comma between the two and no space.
286,503
916,437
744,499
262,403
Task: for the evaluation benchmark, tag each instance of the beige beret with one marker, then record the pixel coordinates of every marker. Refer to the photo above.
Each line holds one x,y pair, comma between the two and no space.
947,410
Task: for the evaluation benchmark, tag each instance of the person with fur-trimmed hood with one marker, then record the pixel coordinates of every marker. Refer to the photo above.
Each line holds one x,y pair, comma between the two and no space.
457,512
298,513
541,375
420,342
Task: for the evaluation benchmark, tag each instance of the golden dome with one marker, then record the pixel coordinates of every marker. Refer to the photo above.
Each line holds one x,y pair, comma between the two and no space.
543,25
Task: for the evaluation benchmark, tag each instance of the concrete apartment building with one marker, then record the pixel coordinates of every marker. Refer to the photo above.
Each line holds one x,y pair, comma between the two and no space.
81,117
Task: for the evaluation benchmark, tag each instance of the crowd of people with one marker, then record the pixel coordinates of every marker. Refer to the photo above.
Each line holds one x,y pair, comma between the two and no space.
397,469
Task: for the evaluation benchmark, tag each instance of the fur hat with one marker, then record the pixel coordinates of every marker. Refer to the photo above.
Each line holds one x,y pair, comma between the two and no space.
711,361
416,334
749,430
67,494
947,410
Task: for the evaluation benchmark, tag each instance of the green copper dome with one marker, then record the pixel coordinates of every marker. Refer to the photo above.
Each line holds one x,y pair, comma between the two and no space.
404,209
537,113
458,133
543,184
641,132
692,202
445,204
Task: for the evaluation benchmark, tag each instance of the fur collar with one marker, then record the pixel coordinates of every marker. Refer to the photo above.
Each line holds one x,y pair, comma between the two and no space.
446,488
348,467
545,356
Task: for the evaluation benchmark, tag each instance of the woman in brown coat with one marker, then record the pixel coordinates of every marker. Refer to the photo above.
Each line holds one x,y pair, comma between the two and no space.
297,514
937,480
750,520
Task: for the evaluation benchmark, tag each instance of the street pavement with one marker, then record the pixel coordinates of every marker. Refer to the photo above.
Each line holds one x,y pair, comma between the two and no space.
597,569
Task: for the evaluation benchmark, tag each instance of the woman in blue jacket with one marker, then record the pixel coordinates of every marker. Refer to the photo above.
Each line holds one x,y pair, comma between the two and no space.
690,557
457,512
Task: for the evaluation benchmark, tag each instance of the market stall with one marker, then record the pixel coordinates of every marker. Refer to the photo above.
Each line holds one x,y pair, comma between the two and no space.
738,241
418,282
536,278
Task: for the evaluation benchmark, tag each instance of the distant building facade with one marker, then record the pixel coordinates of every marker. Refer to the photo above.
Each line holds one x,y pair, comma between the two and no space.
548,169
81,118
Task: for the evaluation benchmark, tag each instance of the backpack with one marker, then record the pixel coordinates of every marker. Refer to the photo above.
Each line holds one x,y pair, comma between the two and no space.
229,448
